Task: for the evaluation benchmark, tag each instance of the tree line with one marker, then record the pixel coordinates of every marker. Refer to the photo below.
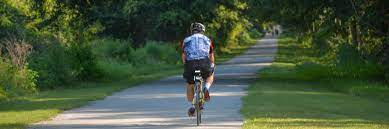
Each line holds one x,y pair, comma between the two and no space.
351,36
45,44
51,43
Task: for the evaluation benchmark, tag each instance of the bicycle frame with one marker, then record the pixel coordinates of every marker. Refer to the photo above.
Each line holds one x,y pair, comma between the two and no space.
198,100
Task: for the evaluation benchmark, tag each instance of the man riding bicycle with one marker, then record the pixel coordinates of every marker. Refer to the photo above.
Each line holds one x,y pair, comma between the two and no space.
197,54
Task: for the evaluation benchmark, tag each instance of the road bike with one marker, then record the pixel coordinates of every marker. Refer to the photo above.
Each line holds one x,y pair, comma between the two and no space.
198,100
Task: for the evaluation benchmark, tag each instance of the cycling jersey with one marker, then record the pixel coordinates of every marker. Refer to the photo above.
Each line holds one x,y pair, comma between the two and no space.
197,46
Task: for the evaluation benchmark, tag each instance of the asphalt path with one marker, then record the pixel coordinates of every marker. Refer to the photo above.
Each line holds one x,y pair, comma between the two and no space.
162,103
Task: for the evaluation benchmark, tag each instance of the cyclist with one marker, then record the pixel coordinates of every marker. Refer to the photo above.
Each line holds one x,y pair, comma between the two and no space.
197,53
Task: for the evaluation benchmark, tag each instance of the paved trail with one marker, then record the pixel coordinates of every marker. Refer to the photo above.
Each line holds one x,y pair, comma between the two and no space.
162,104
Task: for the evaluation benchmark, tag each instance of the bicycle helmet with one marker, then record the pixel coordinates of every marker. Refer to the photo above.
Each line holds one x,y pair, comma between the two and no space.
197,28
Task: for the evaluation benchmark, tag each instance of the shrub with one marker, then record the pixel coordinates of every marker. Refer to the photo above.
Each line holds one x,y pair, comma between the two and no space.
350,64
161,52
245,38
15,81
53,65
84,62
254,33
112,48
139,57
6,73
154,53
347,64
114,56
113,69
24,81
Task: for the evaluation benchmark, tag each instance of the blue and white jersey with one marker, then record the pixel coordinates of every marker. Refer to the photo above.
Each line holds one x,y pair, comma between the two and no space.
197,46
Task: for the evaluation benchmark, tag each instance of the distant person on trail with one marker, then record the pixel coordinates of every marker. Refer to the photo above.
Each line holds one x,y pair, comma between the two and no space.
197,53
276,32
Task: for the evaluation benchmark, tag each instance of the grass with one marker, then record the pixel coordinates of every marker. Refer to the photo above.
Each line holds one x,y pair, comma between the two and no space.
292,94
300,105
19,112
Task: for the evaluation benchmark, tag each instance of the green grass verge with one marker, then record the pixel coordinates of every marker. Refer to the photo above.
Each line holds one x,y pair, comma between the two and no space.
300,105
19,112
290,95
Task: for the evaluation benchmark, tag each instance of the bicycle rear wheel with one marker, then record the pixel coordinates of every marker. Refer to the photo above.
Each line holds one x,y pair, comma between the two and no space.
197,104
198,114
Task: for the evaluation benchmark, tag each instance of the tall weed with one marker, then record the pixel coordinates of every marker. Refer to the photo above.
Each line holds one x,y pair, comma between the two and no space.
114,70
118,59
161,52
112,48
16,78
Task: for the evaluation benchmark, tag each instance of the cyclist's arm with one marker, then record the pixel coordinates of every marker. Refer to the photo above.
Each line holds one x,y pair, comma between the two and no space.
183,57
211,53
212,57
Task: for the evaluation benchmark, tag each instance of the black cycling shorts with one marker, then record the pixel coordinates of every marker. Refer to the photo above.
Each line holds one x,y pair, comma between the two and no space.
204,65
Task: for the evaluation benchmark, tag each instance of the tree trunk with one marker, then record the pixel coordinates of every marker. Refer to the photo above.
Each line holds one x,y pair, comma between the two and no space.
354,33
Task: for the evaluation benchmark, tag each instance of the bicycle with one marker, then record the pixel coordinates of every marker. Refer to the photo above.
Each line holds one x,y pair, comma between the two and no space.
198,100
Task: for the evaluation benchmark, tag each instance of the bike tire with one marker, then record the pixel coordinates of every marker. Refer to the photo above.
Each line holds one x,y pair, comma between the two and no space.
197,105
198,115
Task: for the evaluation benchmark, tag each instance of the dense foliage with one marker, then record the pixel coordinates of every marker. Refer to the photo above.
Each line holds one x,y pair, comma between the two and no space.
70,39
350,36
85,40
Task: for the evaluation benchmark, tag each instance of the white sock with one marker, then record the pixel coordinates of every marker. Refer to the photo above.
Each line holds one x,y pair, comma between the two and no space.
207,85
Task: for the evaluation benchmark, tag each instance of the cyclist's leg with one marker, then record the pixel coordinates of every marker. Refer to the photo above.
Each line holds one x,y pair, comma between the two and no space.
188,76
189,92
208,73
209,81
190,96
207,86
